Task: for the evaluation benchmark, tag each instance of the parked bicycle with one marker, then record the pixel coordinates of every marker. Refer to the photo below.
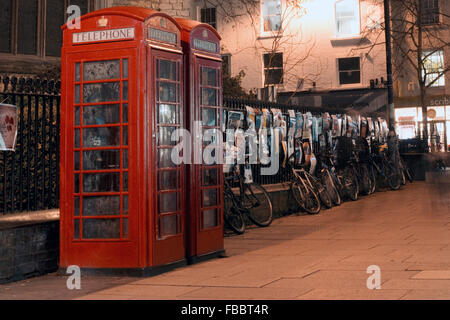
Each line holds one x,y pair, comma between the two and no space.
248,199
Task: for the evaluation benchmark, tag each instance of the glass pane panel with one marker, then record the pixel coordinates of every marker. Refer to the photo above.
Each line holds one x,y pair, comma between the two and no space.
76,229
167,113
125,90
125,228
125,205
76,160
210,137
125,68
209,197
208,77
167,92
27,27
77,93
101,159
168,180
168,70
210,177
168,202
5,26
101,228
125,113
76,183
77,138
103,205
165,136
100,92
125,158
125,181
164,158
101,114
77,116
209,117
76,209
101,70
101,182
77,71
125,136
168,225
209,97
54,21
210,218
101,137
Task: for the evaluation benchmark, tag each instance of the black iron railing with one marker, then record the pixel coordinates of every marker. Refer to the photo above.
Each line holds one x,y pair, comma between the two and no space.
29,177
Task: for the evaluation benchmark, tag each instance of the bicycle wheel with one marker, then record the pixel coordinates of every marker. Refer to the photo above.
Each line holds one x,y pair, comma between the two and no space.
365,180
327,181
232,215
258,204
350,183
409,174
323,194
306,198
393,176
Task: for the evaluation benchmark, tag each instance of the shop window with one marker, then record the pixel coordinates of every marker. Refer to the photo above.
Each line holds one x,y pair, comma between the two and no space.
273,68
433,64
429,12
349,70
271,15
208,15
347,18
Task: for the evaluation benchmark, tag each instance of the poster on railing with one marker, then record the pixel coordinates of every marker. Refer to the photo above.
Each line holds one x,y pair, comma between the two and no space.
8,127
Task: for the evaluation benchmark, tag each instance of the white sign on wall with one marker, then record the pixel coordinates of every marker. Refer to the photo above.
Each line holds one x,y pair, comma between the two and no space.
8,127
103,35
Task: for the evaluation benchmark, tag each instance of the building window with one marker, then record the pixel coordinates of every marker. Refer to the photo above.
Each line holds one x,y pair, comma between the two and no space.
271,15
208,15
349,70
273,68
22,25
226,64
429,12
433,64
347,18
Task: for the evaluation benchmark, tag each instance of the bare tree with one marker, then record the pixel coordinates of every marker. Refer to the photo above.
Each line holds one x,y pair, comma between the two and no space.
420,35
280,37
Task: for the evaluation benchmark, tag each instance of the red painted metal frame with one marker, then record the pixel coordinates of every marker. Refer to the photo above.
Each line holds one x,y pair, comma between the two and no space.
141,249
200,241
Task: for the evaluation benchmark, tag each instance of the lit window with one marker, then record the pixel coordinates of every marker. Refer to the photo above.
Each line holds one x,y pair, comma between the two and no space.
430,12
349,70
208,15
273,68
271,15
347,18
433,63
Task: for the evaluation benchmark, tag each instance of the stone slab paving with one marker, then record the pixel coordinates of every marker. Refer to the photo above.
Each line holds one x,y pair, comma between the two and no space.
406,233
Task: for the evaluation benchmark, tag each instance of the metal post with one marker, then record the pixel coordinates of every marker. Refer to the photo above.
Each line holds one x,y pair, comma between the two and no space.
387,31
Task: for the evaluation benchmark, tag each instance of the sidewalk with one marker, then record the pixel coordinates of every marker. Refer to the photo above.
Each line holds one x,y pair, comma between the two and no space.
406,233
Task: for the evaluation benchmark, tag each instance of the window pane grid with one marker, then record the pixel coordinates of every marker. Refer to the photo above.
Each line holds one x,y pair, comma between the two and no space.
102,177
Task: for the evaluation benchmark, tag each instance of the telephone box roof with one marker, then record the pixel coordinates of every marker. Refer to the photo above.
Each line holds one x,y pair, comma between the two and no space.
188,25
138,13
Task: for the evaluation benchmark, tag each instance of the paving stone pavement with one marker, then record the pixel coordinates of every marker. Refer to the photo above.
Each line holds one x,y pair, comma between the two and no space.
406,233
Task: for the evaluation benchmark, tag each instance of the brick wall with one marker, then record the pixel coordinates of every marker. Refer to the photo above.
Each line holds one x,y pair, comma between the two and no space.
176,8
27,251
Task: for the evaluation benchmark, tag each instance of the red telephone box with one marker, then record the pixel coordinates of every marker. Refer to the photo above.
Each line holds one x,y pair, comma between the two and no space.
122,198
203,65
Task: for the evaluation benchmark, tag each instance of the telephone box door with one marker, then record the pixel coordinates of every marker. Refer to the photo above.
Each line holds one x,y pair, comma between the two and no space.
168,176
208,174
101,215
